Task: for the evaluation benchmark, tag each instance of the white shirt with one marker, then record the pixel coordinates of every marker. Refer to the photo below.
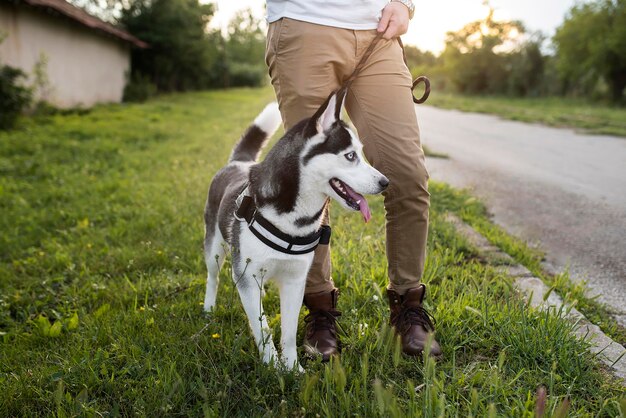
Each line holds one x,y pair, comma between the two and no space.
346,14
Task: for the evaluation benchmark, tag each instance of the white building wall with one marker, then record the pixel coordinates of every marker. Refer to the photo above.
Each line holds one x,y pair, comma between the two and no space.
84,67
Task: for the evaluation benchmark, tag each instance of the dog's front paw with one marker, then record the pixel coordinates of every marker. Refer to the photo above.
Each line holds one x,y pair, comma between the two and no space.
292,366
298,368
270,355
208,306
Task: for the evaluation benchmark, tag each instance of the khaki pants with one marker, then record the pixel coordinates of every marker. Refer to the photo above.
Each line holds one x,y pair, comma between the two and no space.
306,63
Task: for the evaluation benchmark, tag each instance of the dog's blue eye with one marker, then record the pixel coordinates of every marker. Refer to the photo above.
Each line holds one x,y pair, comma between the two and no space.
351,156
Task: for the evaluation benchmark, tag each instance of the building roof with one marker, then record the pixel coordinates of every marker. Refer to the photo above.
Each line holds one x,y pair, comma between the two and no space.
82,17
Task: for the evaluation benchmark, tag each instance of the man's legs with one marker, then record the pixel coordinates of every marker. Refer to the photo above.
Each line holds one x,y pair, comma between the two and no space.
306,63
380,104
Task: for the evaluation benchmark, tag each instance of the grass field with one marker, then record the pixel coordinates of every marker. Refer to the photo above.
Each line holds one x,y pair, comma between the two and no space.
580,115
101,289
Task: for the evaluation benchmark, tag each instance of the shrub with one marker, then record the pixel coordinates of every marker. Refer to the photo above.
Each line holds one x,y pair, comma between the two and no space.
243,74
14,97
139,89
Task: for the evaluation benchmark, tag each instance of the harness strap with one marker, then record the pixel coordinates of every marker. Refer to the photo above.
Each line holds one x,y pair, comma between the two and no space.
271,236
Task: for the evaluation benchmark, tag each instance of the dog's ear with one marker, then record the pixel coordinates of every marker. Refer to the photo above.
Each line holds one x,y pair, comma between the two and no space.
330,111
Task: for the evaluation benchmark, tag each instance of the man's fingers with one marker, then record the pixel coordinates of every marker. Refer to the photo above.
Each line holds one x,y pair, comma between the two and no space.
392,30
394,20
384,21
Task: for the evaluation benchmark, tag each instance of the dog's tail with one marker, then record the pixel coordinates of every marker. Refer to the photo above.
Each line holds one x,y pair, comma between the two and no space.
256,136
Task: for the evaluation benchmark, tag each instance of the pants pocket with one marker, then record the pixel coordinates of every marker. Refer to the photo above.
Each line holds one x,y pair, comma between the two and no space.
273,35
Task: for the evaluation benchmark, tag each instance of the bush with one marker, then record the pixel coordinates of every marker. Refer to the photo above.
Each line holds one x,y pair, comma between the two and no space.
591,50
139,89
243,74
14,97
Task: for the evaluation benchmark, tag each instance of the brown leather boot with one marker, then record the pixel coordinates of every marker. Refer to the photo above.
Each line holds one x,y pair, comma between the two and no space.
320,337
412,322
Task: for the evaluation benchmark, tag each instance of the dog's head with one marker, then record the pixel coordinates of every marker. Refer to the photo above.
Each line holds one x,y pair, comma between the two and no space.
333,159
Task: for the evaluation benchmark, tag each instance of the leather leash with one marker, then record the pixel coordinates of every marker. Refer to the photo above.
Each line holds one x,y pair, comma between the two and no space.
366,55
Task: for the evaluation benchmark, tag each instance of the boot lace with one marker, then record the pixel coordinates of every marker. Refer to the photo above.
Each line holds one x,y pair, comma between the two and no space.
415,316
323,320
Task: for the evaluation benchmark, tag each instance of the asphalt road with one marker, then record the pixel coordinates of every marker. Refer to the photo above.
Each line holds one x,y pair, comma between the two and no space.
557,189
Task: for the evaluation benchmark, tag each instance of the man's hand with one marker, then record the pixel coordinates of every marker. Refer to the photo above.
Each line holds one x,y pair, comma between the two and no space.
395,20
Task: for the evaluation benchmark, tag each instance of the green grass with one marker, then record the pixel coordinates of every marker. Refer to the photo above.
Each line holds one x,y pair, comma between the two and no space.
574,293
433,154
577,114
101,286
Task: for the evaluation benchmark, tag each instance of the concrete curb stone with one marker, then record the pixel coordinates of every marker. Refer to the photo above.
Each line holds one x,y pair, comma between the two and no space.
534,290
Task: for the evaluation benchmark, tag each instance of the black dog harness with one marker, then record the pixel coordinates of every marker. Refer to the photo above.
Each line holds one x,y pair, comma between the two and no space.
272,236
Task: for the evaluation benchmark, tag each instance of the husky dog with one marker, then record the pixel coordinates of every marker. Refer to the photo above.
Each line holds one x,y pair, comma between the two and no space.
318,159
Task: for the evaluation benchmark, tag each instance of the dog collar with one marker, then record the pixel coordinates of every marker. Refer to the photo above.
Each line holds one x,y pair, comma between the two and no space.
272,236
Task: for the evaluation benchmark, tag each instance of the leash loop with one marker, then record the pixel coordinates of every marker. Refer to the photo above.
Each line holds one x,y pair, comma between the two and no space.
426,81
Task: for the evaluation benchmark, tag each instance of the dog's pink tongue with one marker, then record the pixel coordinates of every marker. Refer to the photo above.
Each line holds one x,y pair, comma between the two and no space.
363,206
365,210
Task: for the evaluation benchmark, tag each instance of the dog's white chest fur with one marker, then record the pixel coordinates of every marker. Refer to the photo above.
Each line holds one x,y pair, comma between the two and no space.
272,264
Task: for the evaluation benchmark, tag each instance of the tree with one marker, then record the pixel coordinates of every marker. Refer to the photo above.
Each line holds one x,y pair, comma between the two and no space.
182,51
591,47
415,57
107,10
475,57
244,51
526,68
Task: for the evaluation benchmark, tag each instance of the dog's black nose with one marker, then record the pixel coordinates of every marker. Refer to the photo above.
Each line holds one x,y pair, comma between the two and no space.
384,182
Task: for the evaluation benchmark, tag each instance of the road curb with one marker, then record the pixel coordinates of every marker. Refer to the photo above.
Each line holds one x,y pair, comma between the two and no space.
540,296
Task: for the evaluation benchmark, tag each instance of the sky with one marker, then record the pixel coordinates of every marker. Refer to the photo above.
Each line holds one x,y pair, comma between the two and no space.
433,19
